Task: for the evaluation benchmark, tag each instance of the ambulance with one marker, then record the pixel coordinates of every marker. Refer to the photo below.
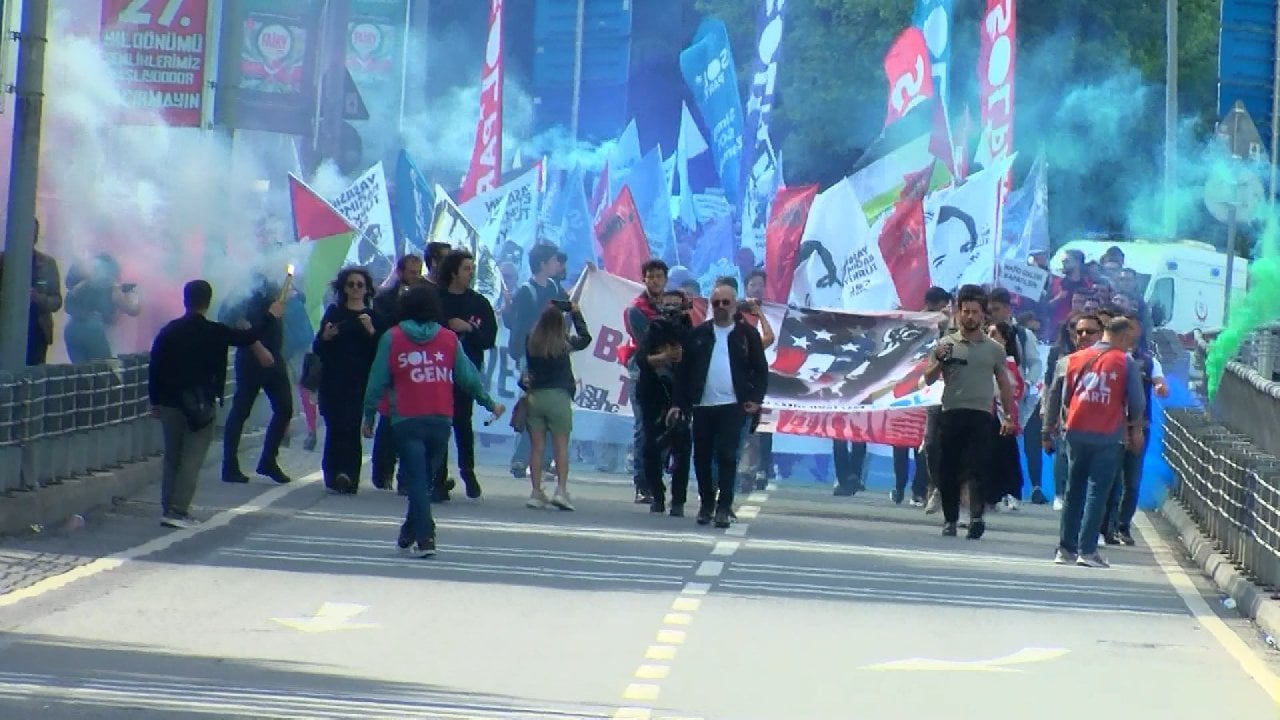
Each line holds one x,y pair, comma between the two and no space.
1182,281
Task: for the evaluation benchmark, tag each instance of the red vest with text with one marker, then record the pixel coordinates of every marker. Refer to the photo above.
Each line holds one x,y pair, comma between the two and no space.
422,374
1094,390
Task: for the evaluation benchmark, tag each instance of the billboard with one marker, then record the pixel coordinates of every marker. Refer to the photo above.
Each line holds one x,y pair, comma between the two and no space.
157,50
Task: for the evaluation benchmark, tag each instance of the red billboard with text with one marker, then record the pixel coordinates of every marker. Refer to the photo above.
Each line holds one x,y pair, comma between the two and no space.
156,49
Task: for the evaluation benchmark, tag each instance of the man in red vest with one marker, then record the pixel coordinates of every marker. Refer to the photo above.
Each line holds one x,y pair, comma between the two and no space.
1104,403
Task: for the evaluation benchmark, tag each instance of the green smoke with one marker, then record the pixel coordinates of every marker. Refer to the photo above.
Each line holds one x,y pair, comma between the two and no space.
1258,307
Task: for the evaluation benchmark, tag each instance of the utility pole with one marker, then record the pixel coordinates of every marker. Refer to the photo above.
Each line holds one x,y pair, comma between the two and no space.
24,174
578,32
1171,120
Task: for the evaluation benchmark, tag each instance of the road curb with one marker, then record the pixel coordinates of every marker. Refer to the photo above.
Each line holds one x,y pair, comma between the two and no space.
52,505
1251,601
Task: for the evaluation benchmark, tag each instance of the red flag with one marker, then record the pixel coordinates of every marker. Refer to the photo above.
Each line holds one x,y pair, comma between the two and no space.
782,238
995,81
907,68
623,245
902,242
600,193
486,154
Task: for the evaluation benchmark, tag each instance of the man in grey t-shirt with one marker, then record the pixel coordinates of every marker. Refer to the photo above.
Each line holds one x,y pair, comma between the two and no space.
972,366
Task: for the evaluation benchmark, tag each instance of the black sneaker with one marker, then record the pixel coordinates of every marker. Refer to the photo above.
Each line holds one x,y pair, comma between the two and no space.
977,527
949,529
424,549
274,473
381,483
677,509
845,491
1037,497
1126,538
235,476
762,483
643,498
659,505
704,516
722,519
1111,538
896,496
474,491
403,544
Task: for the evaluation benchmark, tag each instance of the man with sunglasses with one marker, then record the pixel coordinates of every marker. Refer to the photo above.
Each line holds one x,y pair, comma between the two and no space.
721,382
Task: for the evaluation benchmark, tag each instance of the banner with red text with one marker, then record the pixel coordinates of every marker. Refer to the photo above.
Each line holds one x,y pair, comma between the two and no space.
156,50
486,154
832,374
996,66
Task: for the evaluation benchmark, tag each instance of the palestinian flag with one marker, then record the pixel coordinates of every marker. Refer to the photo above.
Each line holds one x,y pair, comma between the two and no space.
903,149
316,223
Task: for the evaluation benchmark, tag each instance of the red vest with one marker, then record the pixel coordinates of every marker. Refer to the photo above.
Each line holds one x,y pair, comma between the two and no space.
422,374
1094,388
646,307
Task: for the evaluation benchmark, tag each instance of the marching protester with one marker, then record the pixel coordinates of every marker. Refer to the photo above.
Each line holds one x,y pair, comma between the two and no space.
551,386
386,306
849,459
1005,489
1030,368
723,378
186,382
345,344
298,334
1122,505
937,300
470,316
644,308
46,299
528,303
756,464
657,360
1079,331
94,300
967,360
260,369
417,365
1101,396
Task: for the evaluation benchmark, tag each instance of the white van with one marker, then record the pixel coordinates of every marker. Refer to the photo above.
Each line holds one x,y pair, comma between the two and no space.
1183,281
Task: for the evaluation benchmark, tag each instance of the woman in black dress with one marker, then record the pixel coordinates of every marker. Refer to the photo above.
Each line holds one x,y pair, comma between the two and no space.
346,344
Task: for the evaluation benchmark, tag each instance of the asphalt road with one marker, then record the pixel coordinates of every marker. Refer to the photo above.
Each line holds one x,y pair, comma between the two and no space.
294,604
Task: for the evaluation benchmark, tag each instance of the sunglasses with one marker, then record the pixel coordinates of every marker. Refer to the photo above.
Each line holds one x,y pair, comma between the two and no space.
721,303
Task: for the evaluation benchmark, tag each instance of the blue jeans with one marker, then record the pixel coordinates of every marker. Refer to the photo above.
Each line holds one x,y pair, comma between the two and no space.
1091,471
421,444
1123,503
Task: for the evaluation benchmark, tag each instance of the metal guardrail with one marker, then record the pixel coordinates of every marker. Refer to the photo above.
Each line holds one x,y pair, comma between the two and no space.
1231,488
59,422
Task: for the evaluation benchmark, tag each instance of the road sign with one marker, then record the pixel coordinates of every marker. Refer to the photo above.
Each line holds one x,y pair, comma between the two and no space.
1244,191
1240,135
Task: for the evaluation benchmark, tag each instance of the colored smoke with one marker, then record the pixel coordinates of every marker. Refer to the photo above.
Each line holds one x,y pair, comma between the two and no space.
1258,307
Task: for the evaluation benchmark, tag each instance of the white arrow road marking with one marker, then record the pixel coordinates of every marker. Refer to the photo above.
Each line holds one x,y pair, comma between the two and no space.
1000,664
331,616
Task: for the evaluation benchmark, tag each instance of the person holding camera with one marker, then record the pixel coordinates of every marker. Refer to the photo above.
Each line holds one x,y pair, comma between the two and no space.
551,387
721,383
657,360
966,360
94,300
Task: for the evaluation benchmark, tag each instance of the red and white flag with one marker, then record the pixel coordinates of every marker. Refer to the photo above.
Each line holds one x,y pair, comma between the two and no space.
787,217
486,154
996,55
623,245
907,68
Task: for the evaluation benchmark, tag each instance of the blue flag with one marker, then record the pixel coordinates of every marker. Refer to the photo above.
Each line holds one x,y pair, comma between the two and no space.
577,237
715,243
707,66
413,206
653,201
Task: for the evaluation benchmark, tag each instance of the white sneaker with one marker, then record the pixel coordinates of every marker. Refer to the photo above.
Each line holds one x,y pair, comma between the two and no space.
537,500
178,523
1058,503
1094,560
933,504
1011,503
561,500
1062,557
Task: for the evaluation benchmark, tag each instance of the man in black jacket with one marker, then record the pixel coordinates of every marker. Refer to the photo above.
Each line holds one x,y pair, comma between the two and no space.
722,383
260,368
189,368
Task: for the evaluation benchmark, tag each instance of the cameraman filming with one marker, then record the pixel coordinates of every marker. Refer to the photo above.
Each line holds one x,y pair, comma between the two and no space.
660,352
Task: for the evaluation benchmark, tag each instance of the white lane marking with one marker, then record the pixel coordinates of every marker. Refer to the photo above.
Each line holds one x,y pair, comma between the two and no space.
757,497
748,512
737,530
1204,616
594,532
709,568
696,588
725,548
159,544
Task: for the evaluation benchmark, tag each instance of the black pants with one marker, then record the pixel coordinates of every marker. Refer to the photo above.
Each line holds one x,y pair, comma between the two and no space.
343,449
464,435
658,443
919,479
964,442
1031,448
274,383
384,453
849,459
1006,466
717,432
37,351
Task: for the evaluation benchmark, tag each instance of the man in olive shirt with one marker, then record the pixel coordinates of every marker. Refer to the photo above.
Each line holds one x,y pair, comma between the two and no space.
972,366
